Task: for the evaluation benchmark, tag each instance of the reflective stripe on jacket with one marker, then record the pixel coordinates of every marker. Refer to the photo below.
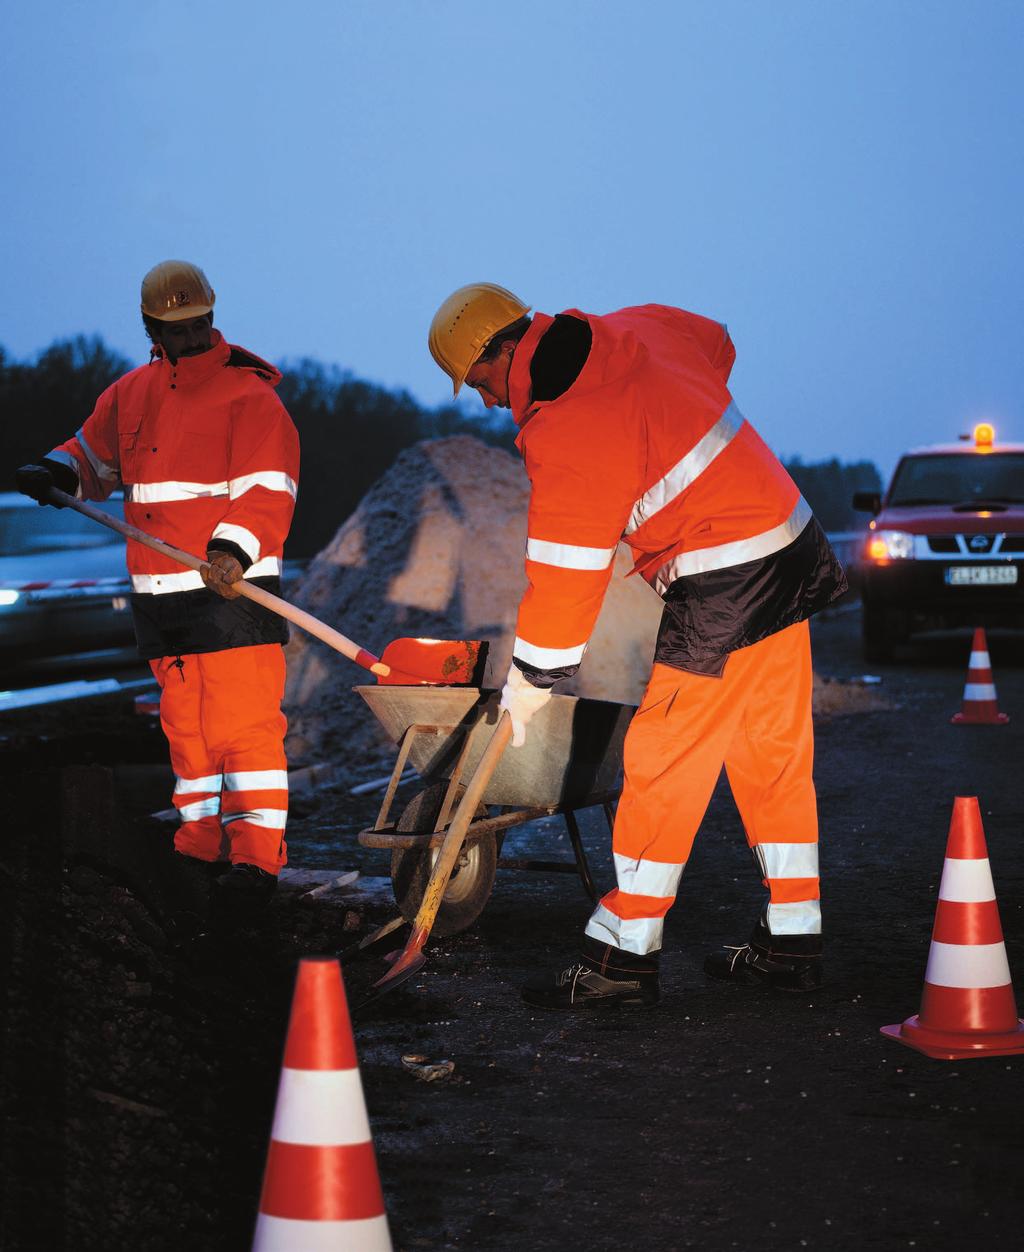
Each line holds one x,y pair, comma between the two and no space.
648,445
206,454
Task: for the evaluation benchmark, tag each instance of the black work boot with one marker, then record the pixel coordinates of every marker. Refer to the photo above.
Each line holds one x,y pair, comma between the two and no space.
604,977
785,962
247,883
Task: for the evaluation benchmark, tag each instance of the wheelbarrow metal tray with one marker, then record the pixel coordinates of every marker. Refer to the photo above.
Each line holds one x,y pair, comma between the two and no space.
573,749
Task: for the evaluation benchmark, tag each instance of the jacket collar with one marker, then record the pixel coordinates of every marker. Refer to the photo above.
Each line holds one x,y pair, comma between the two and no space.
190,371
519,372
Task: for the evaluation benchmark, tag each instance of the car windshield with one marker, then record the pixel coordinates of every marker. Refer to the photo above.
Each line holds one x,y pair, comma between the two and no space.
25,528
961,478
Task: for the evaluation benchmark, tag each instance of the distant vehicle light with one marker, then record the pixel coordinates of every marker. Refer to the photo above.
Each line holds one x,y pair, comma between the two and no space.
890,545
984,435
8,598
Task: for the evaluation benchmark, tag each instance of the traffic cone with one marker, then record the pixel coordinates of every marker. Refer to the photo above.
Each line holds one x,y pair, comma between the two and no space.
321,1190
980,707
967,1006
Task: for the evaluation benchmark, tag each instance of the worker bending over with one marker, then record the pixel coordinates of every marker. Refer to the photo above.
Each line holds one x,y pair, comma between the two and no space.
208,460
629,431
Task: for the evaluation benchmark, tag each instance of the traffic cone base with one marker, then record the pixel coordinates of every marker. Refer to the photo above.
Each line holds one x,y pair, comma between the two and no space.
967,1005
949,1045
980,703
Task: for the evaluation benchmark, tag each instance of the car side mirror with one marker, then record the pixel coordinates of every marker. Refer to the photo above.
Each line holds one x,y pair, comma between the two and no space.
867,502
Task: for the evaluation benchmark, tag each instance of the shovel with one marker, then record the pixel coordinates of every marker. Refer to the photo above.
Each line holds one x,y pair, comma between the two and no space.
404,661
411,958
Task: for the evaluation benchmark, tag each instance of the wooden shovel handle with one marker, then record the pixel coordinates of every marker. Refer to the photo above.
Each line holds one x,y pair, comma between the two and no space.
320,630
456,834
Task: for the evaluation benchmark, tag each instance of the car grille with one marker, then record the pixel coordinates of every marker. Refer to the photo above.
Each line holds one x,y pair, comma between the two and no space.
982,546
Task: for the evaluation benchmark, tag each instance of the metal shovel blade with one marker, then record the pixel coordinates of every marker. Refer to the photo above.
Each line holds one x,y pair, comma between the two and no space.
411,958
431,662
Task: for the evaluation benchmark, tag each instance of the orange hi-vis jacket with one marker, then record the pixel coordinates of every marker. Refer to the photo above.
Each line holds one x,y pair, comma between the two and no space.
647,445
208,458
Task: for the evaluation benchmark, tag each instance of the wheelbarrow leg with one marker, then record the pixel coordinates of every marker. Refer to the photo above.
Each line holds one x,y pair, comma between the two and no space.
411,958
581,857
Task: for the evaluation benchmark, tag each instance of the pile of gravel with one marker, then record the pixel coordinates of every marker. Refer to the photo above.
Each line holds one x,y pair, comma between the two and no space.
435,549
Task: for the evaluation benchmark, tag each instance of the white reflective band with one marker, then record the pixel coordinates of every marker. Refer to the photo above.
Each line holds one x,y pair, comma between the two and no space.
188,786
161,584
169,492
191,579
639,935
979,691
568,555
245,539
264,567
737,552
687,470
647,878
257,780
324,1107
275,819
272,480
801,918
966,882
103,470
288,1234
967,965
199,808
547,658
979,660
65,458
788,860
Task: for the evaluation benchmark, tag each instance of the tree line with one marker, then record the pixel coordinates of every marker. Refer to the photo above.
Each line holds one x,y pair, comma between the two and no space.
351,432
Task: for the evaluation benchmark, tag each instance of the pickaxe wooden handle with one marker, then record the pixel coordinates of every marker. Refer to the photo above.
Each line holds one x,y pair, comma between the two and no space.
320,630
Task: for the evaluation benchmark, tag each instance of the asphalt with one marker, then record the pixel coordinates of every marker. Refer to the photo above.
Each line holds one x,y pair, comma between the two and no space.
141,1066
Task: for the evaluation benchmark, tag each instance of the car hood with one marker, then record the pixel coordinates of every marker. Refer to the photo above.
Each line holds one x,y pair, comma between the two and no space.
85,564
942,520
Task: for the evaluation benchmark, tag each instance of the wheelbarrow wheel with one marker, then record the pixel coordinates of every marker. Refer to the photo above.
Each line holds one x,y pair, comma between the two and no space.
472,880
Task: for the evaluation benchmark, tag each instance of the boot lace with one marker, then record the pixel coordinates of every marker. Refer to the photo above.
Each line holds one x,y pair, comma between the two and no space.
739,952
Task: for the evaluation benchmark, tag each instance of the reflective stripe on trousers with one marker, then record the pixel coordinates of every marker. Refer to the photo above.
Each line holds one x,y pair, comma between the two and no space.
221,713
756,720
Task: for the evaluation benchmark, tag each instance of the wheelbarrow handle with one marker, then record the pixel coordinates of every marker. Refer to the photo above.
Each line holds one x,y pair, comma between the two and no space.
411,957
320,630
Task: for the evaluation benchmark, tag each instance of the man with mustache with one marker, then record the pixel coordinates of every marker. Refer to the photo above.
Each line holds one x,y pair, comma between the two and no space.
208,460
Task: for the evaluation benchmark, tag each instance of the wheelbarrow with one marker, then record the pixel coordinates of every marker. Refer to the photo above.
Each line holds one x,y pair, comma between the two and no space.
571,760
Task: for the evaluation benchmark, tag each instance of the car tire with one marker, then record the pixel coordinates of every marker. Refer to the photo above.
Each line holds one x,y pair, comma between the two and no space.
472,880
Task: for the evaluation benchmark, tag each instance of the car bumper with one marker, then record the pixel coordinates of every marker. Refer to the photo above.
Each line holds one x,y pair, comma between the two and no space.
920,589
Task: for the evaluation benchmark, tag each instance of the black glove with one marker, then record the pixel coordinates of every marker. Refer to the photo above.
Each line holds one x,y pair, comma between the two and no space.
35,481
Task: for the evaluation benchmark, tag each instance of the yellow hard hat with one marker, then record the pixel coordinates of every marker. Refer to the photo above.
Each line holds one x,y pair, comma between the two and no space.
174,291
466,321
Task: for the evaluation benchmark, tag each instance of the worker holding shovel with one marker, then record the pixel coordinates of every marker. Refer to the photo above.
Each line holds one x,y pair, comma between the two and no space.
208,458
629,431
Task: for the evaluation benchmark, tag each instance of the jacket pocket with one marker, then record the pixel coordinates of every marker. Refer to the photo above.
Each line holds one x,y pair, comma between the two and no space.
128,440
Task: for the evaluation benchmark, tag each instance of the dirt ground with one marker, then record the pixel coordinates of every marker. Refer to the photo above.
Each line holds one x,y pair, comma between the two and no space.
139,1069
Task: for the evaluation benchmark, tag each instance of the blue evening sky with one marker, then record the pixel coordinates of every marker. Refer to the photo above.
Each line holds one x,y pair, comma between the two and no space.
841,182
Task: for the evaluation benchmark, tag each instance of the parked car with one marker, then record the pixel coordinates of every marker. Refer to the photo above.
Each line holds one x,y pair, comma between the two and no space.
63,584
945,545
64,587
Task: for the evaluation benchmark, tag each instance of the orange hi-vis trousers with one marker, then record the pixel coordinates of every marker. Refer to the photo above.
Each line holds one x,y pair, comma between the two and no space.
221,713
756,720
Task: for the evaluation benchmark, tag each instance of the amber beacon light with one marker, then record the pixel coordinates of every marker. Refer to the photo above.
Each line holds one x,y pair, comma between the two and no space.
984,435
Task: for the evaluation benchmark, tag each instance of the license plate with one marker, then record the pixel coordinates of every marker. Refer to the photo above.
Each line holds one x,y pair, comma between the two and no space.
981,575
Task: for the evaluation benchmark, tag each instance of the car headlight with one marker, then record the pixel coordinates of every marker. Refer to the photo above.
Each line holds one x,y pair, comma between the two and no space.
7,598
890,545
